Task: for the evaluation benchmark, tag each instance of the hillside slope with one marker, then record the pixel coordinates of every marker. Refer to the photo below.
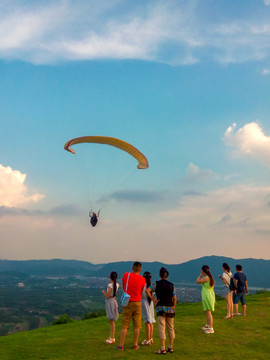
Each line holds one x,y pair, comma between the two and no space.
239,338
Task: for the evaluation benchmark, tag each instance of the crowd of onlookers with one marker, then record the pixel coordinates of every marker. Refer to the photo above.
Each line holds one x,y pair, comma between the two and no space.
141,293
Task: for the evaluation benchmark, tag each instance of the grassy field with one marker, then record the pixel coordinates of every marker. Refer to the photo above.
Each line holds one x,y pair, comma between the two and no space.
239,338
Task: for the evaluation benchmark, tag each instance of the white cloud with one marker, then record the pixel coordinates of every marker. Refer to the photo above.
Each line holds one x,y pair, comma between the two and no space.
249,140
13,191
266,72
164,31
227,221
266,2
232,204
223,221
64,30
194,173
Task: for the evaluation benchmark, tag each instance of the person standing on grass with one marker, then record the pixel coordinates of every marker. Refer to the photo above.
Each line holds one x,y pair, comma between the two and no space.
111,305
228,294
239,293
148,314
208,297
136,284
165,307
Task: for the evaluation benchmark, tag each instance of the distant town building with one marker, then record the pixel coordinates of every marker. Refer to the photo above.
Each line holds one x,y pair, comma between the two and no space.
21,284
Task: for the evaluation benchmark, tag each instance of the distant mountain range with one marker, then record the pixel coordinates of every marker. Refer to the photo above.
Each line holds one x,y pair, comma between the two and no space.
257,270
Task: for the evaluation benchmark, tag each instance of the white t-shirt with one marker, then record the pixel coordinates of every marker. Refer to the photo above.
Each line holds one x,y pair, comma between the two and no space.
227,277
110,285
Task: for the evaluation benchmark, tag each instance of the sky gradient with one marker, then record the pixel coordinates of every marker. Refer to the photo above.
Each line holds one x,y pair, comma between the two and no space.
186,82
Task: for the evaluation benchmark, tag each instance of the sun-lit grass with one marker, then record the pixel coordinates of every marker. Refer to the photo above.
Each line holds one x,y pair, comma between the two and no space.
239,338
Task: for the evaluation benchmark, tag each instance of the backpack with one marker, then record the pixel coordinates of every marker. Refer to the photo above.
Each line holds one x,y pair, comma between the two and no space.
233,284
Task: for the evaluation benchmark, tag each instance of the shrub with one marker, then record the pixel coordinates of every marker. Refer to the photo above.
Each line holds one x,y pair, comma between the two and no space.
94,314
63,319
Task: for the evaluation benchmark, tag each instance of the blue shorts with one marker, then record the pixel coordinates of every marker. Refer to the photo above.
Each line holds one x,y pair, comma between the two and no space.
241,297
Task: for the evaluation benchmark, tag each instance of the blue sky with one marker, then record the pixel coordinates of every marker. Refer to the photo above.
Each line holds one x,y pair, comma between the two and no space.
186,82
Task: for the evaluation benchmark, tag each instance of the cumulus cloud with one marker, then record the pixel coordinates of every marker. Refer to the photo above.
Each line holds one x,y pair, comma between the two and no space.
13,190
249,140
266,2
221,222
241,206
266,72
194,173
164,31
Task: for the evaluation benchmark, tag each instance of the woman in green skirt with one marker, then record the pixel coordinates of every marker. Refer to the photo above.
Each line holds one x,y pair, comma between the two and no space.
208,297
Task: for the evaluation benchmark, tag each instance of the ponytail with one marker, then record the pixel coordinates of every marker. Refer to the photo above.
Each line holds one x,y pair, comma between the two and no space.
113,277
206,270
148,276
163,273
226,267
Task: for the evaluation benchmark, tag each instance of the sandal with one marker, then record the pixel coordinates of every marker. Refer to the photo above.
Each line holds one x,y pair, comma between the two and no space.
147,342
170,350
161,352
110,341
209,331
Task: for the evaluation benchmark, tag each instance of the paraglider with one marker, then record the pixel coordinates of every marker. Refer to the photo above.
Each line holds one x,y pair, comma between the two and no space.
120,144
93,217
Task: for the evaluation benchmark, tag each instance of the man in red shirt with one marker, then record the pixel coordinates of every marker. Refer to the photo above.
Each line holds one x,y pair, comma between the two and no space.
135,286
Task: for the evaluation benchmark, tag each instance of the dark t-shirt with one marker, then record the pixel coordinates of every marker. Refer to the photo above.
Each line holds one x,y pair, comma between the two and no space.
241,277
164,290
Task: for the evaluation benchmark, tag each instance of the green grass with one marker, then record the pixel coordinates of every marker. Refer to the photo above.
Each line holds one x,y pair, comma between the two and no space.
239,338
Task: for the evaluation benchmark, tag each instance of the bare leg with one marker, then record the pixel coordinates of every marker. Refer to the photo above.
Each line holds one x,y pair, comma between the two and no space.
209,318
236,308
230,304
123,336
148,331
244,309
136,336
112,326
151,330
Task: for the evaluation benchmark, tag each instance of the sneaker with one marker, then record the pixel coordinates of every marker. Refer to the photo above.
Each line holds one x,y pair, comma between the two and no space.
236,314
136,347
209,331
205,327
119,347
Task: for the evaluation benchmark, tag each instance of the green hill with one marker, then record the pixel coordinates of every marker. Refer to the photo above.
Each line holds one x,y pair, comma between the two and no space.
257,270
239,338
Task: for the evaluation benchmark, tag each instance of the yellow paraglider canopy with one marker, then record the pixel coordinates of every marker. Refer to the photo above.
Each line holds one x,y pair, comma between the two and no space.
120,144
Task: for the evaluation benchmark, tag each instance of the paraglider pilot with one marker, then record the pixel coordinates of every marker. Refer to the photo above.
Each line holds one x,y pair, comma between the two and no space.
93,217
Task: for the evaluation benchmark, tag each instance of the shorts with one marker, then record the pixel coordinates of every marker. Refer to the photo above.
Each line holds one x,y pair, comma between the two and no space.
241,297
132,310
226,291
